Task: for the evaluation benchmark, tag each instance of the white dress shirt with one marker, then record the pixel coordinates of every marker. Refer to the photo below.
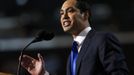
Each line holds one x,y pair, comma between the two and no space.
80,38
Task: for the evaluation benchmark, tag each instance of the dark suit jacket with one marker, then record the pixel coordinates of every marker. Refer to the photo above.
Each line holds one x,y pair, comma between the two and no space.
100,55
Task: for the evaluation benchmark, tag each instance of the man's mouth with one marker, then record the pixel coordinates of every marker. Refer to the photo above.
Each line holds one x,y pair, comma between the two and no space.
66,23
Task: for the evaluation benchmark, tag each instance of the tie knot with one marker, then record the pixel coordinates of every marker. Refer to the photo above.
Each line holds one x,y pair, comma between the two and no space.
75,43
74,47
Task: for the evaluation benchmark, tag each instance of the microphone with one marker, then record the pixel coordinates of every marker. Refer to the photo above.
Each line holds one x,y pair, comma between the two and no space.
42,35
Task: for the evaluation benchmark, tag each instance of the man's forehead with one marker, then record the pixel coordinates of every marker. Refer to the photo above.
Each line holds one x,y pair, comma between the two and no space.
68,3
71,1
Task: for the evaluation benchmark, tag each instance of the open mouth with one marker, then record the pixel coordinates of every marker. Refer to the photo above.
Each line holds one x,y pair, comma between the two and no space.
66,23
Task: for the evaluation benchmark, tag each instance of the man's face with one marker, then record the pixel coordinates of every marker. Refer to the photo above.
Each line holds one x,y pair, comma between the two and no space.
71,17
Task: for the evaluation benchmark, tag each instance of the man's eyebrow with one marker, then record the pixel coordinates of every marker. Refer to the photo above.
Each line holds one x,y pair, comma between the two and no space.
66,9
69,8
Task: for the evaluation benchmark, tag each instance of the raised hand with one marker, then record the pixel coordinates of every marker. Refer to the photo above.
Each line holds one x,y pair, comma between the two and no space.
33,66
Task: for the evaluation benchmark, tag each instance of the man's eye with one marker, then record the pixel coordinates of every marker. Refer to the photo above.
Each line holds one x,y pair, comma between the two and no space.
61,13
71,10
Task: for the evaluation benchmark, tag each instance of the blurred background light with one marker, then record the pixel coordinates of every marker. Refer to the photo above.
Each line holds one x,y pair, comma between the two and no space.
7,23
101,11
21,2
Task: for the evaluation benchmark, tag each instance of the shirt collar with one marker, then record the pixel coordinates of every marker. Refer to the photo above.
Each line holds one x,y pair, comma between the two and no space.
80,38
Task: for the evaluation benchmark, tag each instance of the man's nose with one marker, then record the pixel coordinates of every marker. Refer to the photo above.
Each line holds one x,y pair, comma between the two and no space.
65,16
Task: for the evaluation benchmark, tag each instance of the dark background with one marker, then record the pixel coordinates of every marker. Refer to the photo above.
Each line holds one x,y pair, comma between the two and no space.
20,20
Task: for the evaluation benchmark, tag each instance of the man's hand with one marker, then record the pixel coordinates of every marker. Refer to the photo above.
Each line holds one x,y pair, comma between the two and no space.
33,66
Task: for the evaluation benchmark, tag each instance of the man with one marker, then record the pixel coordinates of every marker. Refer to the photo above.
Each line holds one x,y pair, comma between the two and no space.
99,53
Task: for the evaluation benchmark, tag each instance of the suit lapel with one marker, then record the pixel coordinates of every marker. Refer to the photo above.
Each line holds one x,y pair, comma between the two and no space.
83,50
68,67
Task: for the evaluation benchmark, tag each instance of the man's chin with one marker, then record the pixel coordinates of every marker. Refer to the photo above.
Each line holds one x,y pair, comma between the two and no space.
66,30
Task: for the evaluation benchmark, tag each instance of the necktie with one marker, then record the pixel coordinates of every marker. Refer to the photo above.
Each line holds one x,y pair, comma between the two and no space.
74,54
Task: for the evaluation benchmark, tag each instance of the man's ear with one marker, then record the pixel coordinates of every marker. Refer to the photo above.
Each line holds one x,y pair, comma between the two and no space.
85,15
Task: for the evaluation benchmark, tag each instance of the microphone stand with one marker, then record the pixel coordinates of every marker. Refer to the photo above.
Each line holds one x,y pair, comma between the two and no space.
20,58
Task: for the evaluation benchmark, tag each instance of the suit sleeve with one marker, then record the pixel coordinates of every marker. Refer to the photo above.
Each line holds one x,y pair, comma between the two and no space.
112,57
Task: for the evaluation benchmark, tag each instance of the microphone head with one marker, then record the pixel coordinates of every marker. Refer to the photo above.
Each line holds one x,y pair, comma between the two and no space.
43,35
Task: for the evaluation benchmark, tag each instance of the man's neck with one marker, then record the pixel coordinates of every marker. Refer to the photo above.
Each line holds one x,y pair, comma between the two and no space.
76,34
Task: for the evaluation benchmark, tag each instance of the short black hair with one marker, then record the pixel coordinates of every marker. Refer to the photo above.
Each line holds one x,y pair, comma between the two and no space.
83,5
